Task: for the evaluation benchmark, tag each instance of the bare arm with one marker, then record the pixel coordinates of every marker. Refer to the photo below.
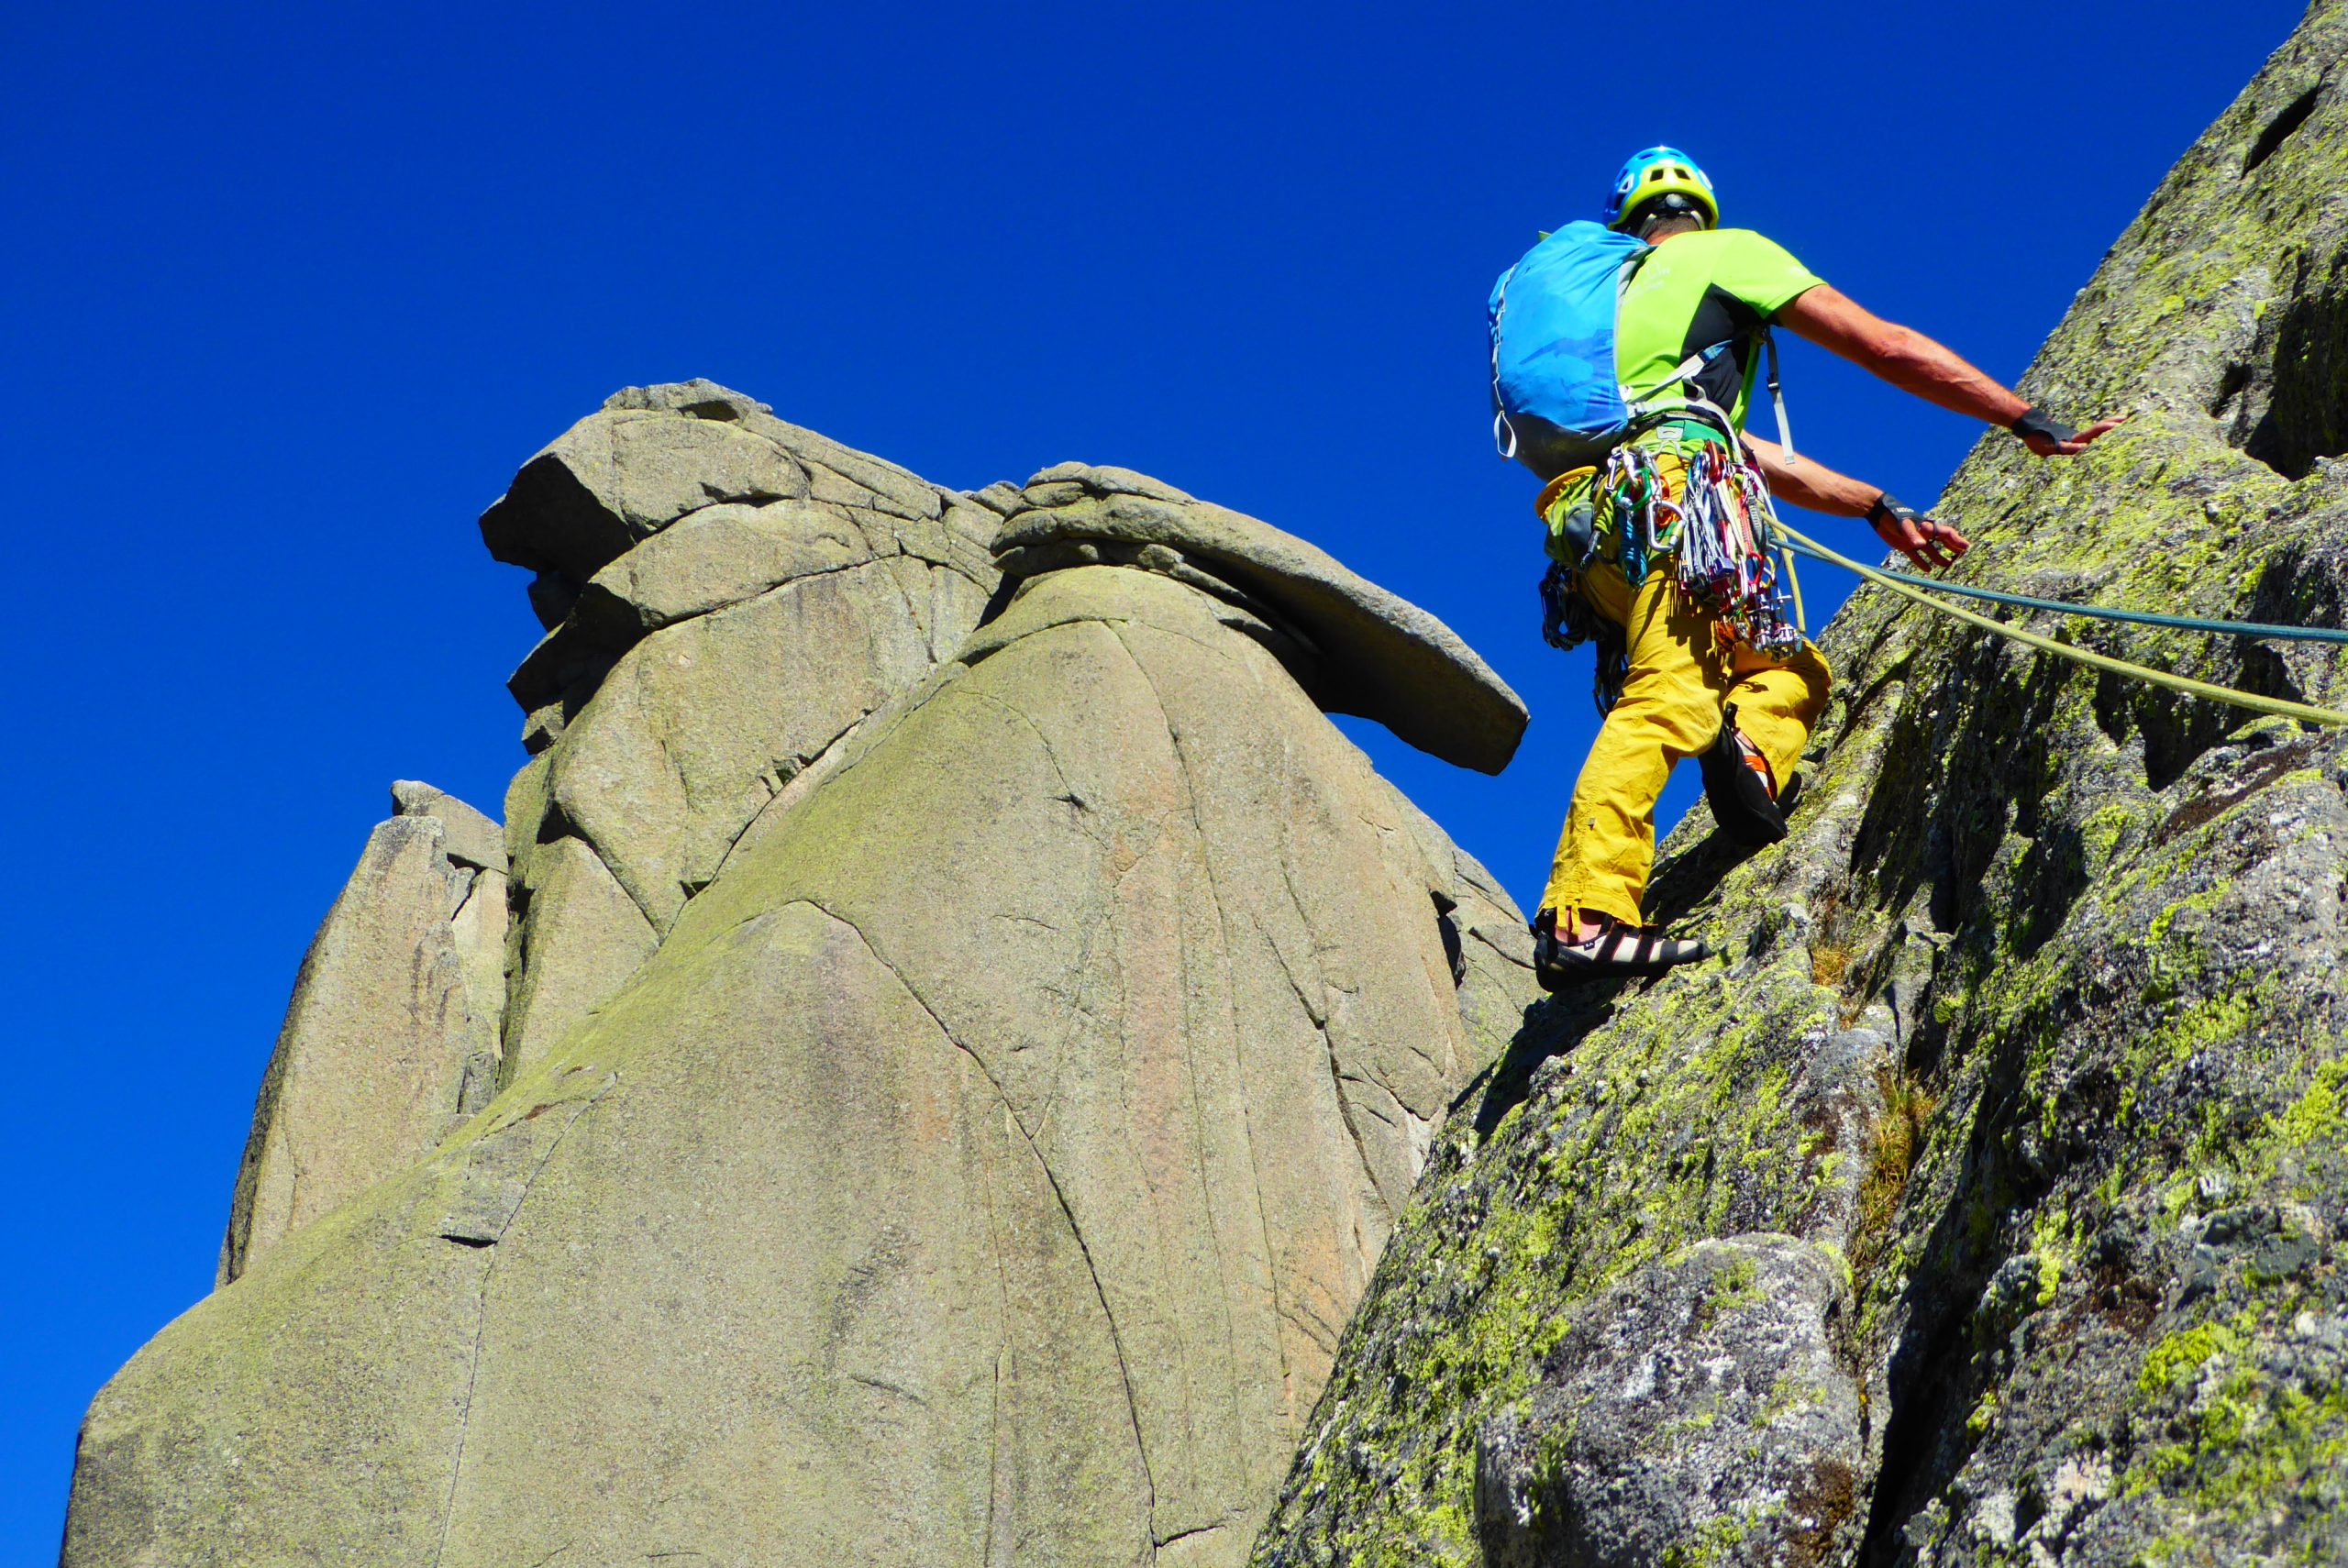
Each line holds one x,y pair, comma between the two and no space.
1812,484
1915,363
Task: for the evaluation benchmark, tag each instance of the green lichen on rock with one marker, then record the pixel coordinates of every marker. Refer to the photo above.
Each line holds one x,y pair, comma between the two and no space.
2037,1017
979,1169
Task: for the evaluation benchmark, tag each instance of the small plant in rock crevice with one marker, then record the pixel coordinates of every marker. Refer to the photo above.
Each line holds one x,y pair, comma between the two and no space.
1899,1140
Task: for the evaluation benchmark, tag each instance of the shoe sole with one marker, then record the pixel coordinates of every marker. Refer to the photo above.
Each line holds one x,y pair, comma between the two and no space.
1737,816
1555,977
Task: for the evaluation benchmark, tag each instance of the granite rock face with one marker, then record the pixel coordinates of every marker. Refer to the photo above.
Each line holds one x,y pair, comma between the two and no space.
1700,1395
1356,648
727,595
2035,1022
990,1075
953,1103
392,1037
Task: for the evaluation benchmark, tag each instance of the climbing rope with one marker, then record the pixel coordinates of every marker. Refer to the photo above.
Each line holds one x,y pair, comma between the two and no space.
2226,694
2105,613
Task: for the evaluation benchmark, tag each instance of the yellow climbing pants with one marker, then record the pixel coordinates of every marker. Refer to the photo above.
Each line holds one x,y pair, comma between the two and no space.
1671,708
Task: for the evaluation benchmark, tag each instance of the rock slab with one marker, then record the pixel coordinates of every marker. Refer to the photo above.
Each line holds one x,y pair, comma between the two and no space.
1357,648
393,1033
1700,1401
2036,1017
978,1168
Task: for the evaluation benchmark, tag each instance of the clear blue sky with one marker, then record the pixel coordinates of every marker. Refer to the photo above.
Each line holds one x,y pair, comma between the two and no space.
292,292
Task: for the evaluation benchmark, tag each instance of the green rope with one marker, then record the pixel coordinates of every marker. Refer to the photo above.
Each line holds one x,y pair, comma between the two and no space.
2103,613
2226,694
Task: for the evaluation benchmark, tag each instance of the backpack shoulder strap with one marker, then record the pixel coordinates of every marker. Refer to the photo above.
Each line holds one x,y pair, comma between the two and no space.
1687,370
1503,433
1777,396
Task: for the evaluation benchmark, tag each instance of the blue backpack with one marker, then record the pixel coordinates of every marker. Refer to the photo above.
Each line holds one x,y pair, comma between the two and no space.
1552,318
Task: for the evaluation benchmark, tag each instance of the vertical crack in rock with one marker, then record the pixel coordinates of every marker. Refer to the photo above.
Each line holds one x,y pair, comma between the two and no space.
1076,1232
481,1329
1233,936
2280,128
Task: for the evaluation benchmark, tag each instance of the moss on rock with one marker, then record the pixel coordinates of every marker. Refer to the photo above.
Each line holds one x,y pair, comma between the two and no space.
2037,1016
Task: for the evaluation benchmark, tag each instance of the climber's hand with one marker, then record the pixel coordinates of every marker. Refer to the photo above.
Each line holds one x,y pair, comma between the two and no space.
1931,545
2051,439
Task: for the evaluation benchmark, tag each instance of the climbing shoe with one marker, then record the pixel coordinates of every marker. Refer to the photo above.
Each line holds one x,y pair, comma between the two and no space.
1737,782
1616,952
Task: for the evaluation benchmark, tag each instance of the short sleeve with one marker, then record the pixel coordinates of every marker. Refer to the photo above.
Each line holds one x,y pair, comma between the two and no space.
1760,272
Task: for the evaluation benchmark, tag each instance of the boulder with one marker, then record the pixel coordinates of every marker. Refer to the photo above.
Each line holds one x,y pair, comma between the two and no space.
393,1033
653,455
1356,648
727,629
981,1170
616,479
1699,1400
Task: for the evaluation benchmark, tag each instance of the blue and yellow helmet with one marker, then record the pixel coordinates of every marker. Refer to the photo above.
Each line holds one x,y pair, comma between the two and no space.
1660,172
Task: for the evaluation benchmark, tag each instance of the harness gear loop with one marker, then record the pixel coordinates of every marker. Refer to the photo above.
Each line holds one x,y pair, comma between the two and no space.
1684,492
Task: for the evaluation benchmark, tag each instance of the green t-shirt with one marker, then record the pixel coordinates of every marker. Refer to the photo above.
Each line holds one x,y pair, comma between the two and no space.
1697,289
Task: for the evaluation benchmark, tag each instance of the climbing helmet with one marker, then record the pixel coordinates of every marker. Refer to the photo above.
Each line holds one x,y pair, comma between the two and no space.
1660,172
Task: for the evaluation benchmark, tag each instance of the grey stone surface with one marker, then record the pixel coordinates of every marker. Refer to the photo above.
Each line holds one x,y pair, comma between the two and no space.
717,556
467,836
393,1032
704,665
2037,1017
1357,648
700,724
653,455
979,1172
616,478
1698,1404
955,1078
577,941
561,670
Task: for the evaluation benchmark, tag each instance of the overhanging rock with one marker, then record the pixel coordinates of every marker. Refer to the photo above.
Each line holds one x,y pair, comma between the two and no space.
1353,646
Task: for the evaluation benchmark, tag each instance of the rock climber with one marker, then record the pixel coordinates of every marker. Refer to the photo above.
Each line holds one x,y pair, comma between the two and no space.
1624,356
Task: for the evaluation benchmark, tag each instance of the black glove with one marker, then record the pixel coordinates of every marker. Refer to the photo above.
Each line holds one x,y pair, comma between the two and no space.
1888,508
2034,422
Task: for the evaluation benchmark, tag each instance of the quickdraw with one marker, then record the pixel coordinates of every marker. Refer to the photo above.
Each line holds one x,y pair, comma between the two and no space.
1721,533
1727,550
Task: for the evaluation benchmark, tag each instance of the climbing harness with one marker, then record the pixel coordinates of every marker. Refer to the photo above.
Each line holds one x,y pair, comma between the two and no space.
1685,495
2106,612
2226,694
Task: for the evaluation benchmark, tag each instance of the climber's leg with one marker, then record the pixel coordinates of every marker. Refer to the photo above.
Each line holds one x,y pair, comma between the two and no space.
1768,708
1669,709
1777,703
